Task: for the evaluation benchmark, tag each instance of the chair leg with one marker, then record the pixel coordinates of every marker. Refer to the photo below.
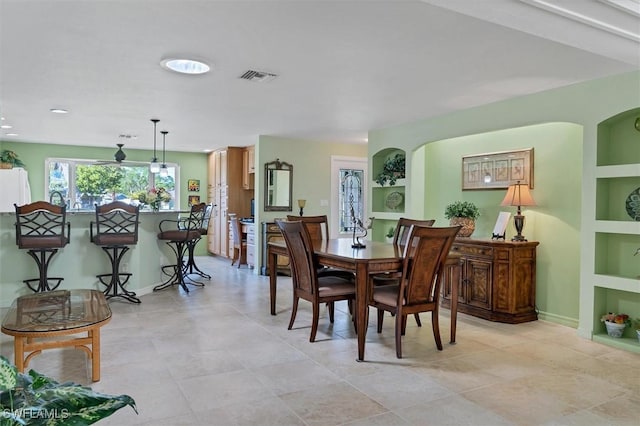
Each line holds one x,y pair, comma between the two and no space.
331,309
314,322
380,319
114,280
436,329
399,317
417,317
404,325
294,311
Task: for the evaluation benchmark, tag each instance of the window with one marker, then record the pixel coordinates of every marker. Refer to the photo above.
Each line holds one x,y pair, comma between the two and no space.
351,205
81,184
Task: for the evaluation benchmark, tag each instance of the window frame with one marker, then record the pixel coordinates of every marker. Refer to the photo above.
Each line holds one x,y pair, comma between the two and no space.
75,162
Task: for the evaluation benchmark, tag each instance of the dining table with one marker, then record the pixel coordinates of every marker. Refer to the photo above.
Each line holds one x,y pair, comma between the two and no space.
376,257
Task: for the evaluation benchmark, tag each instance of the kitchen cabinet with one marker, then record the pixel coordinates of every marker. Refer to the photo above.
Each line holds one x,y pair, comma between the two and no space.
227,195
248,168
496,279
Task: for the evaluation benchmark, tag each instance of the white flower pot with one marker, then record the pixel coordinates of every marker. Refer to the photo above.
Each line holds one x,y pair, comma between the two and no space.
614,329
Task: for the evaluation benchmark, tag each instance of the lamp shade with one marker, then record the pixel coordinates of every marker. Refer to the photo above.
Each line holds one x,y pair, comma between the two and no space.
518,195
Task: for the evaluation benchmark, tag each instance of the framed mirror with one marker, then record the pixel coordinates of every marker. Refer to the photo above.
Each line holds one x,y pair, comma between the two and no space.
278,183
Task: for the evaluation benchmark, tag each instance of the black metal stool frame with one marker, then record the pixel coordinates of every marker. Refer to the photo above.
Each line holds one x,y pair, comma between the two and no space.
116,229
191,244
178,234
40,228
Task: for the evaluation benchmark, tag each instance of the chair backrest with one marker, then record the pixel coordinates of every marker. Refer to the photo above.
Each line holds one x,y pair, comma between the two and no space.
235,230
41,225
198,218
316,225
116,224
423,264
300,248
404,225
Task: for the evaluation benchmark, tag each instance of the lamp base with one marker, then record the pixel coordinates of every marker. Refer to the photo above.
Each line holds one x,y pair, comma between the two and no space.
358,245
519,238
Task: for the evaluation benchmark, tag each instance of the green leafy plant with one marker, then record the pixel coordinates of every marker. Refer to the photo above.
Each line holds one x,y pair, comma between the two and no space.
390,232
35,399
462,209
392,170
10,157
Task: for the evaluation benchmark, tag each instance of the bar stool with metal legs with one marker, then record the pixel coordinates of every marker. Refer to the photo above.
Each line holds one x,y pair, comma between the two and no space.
201,212
116,227
42,229
178,234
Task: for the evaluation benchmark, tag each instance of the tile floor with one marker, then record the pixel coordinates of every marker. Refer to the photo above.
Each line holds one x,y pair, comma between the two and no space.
216,357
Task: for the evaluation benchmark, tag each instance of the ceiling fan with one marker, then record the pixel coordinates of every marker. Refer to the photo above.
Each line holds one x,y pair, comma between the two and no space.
118,157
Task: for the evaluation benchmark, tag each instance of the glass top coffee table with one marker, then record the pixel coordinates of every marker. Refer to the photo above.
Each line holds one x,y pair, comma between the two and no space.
52,314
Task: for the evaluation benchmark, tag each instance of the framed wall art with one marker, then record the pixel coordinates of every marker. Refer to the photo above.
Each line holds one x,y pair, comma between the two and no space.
497,170
194,200
193,185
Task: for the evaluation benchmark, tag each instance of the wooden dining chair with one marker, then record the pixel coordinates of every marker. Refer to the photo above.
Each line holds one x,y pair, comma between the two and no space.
399,239
239,244
418,290
307,284
318,228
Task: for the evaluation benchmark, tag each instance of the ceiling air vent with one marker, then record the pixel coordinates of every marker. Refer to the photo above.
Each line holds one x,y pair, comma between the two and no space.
258,76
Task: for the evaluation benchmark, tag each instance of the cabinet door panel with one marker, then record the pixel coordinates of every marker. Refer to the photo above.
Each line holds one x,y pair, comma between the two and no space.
478,283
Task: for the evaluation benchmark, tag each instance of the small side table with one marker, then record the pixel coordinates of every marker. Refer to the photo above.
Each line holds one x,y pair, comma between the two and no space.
39,316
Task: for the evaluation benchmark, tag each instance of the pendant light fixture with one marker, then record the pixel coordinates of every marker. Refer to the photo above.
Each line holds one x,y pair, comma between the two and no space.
164,171
154,167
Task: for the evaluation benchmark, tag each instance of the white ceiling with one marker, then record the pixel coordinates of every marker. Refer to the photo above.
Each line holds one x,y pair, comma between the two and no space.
344,67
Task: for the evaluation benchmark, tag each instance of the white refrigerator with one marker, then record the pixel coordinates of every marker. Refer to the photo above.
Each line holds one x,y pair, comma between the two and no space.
14,188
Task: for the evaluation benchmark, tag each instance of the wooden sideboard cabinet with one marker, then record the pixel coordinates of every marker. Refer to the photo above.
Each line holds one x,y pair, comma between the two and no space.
271,232
496,279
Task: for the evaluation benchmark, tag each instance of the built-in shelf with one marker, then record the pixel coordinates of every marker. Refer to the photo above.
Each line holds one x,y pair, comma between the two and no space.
615,281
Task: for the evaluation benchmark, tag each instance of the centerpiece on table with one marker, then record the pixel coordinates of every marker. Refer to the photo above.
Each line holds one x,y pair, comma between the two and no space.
153,197
615,323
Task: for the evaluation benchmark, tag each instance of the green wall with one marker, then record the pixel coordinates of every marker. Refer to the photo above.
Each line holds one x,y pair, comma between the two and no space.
564,204
192,166
555,221
311,174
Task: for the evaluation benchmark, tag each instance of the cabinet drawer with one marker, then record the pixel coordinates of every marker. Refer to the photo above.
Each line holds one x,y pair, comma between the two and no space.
273,228
251,239
473,250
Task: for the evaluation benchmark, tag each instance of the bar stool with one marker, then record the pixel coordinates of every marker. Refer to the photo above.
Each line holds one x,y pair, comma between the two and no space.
178,234
116,229
40,229
201,212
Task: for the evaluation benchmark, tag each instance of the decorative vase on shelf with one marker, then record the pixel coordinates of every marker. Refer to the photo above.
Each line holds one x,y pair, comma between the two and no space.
614,329
468,225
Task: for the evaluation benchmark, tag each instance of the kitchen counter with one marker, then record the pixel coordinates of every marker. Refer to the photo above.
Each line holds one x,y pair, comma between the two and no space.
80,261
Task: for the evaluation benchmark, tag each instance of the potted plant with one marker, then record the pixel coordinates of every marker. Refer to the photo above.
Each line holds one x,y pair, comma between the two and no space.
9,159
35,399
389,235
463,213
392,170
615,323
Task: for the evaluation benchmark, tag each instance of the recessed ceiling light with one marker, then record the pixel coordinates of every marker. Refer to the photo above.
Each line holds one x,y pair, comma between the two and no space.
58,111
11,134
185,66
6,126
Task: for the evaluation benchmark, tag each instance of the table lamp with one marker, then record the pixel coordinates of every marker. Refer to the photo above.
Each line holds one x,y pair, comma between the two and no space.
518,195
301,204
